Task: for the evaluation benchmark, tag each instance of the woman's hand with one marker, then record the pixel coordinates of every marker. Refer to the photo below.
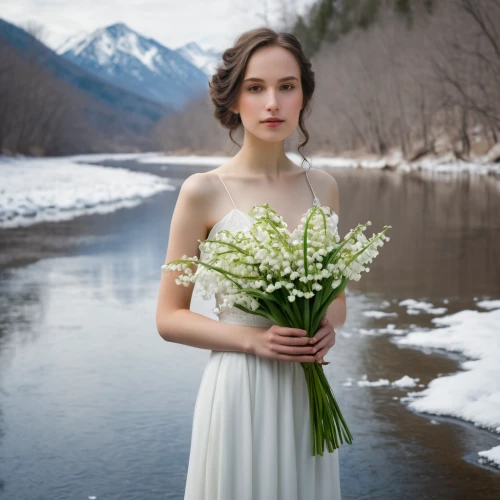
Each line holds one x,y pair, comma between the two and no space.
283,344
323,340
292,344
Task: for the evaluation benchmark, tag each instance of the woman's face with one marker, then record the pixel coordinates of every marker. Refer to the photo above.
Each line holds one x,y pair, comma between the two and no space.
263,95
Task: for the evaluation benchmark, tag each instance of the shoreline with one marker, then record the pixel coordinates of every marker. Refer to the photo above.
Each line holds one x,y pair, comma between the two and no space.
431,166
488,164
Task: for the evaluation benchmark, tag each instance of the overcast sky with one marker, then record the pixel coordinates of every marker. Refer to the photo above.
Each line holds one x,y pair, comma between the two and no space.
211,23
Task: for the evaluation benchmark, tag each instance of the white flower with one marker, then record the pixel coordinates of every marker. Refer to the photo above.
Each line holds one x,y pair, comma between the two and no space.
266,258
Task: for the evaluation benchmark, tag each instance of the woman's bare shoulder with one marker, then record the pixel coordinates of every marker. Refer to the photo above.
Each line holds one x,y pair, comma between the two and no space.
322,175
326,187
200,187
195,182
198,194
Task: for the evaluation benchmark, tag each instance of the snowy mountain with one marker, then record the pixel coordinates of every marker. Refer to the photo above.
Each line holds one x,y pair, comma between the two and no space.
206,60
112,111
139,64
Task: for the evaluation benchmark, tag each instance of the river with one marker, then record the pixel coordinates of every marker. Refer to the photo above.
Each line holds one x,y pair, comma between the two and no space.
93,403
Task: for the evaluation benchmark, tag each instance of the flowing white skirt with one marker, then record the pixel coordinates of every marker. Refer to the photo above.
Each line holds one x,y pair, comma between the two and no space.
251,436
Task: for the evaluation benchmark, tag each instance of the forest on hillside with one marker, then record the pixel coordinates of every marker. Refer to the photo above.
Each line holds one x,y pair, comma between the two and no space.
45,114
417,76
420,77
37,114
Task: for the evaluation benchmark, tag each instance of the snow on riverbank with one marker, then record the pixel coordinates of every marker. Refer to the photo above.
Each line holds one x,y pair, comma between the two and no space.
34,190
471,394
203,161
96,157
445,164
440,165
405,381
474,393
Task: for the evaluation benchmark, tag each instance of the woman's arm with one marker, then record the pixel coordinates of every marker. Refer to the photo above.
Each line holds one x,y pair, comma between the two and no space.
186,327
337,312
174,321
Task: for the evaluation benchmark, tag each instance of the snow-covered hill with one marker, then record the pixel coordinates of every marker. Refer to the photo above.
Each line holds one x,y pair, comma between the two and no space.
206,60
140,64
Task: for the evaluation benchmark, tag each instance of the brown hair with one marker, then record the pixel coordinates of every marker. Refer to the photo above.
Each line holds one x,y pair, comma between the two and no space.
226,82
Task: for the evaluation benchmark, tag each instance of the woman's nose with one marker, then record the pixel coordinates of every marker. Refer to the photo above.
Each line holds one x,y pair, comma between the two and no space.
272,101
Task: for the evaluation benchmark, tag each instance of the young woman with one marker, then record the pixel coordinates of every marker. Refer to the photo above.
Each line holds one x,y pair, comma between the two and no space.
251,430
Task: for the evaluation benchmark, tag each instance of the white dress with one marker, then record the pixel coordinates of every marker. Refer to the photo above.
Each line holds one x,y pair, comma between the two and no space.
251,437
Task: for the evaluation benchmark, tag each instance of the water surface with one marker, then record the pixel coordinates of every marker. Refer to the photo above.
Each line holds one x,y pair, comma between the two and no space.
94,403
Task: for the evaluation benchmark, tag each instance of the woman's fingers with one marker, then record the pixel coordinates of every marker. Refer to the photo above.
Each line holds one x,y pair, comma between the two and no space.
321,354
293,341
286,331
323,336
323,330
325,342
293,344
295,350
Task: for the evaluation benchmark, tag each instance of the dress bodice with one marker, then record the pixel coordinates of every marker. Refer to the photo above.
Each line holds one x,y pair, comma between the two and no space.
235,220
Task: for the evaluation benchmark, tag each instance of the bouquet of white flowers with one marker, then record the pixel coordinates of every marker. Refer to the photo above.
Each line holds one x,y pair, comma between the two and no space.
291,279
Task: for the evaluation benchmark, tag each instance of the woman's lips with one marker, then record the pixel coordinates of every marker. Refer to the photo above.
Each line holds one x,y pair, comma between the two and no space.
273,124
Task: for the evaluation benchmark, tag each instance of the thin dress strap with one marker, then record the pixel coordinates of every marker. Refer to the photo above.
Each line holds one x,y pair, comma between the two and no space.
227,190
316,199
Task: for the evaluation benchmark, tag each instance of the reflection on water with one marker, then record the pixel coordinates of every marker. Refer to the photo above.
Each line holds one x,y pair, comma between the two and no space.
94,402
445,231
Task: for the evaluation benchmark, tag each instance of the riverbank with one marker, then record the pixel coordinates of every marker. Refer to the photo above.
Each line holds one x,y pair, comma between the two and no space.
487,164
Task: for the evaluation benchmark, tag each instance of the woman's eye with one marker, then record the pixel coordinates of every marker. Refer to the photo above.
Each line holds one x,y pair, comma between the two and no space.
258,87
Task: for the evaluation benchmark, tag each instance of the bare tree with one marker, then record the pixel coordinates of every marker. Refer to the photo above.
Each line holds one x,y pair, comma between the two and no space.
287,15
424,87
37,115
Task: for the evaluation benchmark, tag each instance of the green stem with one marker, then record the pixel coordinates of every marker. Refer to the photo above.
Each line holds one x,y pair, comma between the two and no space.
277,314
261,312
327,422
